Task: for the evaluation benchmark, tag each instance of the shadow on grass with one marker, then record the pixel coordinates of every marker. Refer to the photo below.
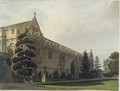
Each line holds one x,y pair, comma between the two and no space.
86,83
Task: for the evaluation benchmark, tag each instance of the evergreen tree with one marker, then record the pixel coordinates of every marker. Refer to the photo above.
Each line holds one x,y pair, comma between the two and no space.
72,69
97,64
24,52
85,66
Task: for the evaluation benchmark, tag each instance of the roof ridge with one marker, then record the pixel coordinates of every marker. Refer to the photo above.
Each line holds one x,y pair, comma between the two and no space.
16,24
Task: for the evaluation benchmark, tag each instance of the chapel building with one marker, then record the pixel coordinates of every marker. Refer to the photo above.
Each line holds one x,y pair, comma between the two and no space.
50,56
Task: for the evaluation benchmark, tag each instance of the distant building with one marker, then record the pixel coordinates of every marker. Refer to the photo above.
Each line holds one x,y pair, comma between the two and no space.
50,56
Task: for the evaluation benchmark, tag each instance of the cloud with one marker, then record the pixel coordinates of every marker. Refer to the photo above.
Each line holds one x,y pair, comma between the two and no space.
80,24
6,1
83,26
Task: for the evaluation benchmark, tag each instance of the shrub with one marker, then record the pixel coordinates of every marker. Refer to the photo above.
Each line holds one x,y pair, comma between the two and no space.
108,74
50,76
55,75
63,75
17,78
69,76
47,75
95,74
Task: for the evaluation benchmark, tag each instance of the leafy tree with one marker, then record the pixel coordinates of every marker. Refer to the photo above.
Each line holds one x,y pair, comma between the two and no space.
114,63
85,66
114,67
24,52
97,64
114,56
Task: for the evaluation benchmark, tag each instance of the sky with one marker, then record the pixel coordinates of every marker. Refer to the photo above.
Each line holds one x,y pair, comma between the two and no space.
78,24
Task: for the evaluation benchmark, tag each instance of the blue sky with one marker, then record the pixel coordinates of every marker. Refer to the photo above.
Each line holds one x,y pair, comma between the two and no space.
77,24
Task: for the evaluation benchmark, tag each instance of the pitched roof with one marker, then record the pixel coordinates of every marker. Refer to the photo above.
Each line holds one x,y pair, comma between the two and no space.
22,24
34,24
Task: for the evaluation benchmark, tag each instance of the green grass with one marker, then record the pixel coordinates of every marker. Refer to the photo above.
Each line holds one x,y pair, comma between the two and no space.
96,85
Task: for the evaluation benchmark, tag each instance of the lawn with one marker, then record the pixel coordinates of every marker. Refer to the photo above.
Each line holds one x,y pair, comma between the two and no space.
94,85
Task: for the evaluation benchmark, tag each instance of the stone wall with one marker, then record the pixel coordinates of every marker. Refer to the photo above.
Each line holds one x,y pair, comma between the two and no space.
62,56
53,64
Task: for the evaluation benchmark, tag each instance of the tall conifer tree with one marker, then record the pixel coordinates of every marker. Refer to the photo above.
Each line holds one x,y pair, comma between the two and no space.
97,64
72,68
24,52
85,65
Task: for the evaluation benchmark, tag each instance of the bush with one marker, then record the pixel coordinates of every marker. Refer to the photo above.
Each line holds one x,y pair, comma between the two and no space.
47,75
69,76
63,75
84,76
40,76
36,77
108,74
50,77
56,75
17,78
95,74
